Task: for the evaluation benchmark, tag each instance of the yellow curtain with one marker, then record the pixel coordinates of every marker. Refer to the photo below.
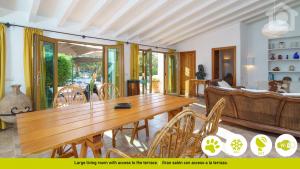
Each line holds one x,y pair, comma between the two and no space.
120,69
2,66
134,61
2,60
28,57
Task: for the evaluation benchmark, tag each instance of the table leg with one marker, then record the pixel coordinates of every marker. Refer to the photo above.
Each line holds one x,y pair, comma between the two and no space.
173,113
197,90
83,151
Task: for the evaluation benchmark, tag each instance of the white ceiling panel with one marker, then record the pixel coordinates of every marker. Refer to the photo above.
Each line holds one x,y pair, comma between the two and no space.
157,22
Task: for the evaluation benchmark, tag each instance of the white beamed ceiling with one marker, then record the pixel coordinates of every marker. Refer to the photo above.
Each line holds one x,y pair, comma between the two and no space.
154,22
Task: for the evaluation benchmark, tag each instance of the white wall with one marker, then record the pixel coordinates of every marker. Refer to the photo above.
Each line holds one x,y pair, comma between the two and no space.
203,44
250,43
256,46
15,48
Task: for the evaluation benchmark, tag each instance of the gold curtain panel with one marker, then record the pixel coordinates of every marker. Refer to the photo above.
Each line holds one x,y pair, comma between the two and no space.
28,57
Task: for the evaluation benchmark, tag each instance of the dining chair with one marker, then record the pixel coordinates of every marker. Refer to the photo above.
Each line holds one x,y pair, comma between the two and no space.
66,96
210,127
107,92
178,138
171,141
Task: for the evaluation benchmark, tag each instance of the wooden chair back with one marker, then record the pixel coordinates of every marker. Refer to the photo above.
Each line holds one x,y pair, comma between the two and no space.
210,127
212,121
172,140
69,95
108,91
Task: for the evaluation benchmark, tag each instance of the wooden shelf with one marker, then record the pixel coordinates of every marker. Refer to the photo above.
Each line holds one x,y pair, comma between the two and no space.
279,60
284,71
284,49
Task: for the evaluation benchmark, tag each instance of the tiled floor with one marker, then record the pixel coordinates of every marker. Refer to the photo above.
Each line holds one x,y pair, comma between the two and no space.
9,145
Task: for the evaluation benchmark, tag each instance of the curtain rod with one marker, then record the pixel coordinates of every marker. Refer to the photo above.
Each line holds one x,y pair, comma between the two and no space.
83,36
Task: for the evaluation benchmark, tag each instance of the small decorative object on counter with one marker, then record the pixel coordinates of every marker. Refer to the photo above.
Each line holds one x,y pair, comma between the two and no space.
272,56
271,76
14,103
296,55
279,57
276,69
291,68
201,72
281,45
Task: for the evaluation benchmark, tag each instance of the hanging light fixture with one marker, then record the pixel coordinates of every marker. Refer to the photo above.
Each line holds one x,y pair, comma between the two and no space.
275,27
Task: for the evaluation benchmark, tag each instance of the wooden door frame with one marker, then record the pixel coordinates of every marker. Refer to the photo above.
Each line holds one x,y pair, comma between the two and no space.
121,66
194,70
234,61
36,67
145,60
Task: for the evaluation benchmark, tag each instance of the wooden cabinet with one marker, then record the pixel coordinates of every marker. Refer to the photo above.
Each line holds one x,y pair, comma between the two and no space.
133,87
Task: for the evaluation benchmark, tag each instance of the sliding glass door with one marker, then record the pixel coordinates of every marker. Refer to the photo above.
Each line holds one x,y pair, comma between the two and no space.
45,72
114,66
145,61
74,65
172,74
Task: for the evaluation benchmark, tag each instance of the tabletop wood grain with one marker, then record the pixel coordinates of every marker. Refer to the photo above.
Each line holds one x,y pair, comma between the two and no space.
42,130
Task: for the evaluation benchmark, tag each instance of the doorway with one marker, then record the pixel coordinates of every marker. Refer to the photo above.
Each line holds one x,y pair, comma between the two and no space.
151,71
172,79
187,70
224,64
58,63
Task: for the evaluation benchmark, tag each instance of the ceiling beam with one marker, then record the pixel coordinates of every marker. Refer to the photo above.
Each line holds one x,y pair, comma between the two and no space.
126,8
141,17
244,8
100,5
236,18
214,12
177,21
260,16
34,6
66,10
161,18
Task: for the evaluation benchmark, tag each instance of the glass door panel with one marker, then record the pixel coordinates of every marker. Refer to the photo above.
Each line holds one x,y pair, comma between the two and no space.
172,74
45,72
148,70
77,62
145,58
113,66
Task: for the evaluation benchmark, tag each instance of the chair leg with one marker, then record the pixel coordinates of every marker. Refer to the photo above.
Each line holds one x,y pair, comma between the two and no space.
53,153
60,151
96,152
134,131
146,127
114,134
74,150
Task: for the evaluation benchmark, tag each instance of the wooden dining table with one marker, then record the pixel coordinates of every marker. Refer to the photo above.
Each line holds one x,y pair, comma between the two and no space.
47,129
